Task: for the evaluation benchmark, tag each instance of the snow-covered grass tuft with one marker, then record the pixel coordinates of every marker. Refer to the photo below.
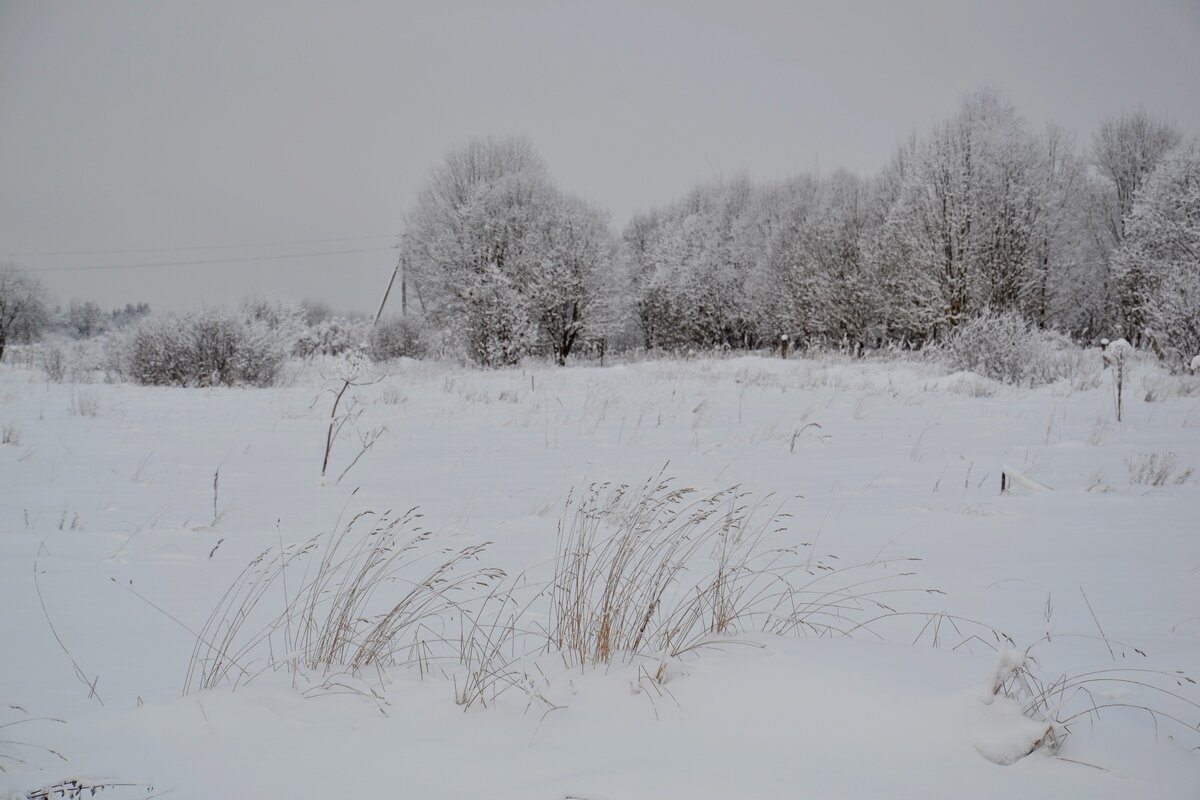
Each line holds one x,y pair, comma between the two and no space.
1157,469
1061,700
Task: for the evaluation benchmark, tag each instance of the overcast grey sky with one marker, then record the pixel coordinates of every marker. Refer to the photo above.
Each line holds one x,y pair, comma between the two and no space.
138,125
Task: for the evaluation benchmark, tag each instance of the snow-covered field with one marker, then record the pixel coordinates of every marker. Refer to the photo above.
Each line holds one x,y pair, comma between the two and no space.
114,542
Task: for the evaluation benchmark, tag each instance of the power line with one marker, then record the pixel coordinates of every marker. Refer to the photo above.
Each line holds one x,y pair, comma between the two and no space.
90,267
197,247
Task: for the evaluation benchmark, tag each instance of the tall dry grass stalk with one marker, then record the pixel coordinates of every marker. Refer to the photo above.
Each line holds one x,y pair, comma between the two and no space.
378,587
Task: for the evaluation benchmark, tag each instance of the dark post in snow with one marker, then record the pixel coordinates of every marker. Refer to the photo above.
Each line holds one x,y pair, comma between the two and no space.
784,345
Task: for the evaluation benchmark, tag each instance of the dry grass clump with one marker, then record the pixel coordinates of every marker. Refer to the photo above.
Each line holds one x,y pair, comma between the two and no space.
361,602
1157,469
644,573
649,573
657,571
78,789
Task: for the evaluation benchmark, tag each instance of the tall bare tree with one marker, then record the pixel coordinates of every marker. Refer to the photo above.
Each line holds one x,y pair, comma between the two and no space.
23,311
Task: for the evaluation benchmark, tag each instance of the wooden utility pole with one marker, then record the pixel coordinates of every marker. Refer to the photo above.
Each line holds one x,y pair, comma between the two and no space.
403,287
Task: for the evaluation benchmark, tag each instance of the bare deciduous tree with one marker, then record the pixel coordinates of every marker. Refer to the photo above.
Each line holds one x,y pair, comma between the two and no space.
23,311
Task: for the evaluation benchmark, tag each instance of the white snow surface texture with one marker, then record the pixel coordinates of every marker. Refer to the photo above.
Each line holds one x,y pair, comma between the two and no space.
109,490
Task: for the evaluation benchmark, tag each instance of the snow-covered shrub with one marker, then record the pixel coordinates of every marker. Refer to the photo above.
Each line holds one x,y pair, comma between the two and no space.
53,360
334,336
1005,347
286,320
208,347
397,337
157,352
71,360
114,355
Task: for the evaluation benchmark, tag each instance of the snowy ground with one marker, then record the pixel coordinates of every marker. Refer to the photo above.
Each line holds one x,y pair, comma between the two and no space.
109,491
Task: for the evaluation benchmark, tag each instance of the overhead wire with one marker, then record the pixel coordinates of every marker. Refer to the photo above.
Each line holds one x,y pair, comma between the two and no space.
196,247
246,259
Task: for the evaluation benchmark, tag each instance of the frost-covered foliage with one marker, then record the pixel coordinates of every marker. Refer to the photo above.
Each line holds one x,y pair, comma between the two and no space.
690,267
85,320
398,337
1158,265
53,359
67,360
23,312
976,214
983,211
1005,347
334,336
496,326
502,259
207,347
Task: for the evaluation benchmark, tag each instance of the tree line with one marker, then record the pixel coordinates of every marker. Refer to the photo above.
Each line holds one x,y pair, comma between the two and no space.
982,213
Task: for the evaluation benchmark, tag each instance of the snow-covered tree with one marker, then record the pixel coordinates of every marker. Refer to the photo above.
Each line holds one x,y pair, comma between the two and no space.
473,238
502,259
692,262
1158,265
23,312
84,320
967,212
1125,151
576,291
1062,291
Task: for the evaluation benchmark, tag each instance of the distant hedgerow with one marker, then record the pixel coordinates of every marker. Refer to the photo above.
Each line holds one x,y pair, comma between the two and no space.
205,348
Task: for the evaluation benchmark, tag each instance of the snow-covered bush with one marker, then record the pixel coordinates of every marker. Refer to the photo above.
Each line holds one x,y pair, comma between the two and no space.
1005,347
65,359
397,337
207,347
334,336
53,360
